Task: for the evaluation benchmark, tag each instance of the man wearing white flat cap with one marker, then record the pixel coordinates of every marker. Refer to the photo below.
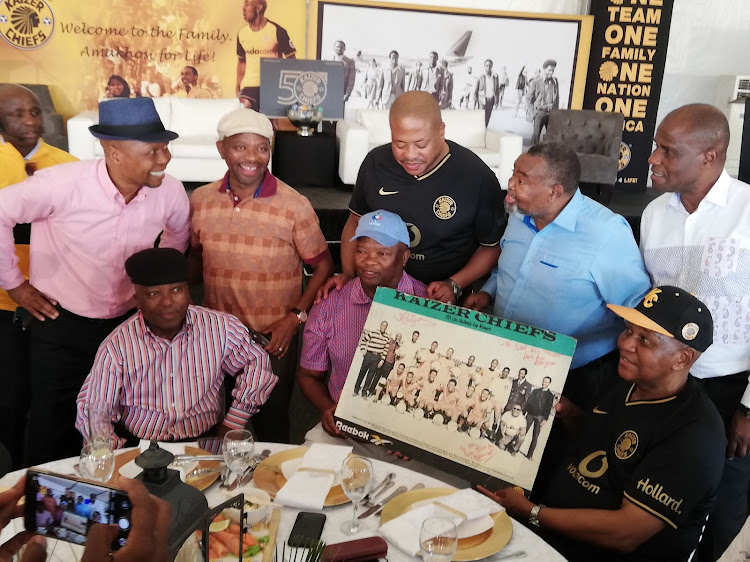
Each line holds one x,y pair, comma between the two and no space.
250,236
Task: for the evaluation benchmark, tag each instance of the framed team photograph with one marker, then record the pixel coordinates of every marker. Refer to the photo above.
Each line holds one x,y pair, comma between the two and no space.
458,43
462,390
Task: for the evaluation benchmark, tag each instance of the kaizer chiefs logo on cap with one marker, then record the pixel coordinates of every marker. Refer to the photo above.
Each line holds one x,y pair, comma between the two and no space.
26,24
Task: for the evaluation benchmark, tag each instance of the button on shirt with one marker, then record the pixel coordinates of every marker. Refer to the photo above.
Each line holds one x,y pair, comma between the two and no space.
562,277
707,252
334,327
167,390
83,232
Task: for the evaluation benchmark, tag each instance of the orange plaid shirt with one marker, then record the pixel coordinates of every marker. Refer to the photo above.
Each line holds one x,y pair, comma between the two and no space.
253,250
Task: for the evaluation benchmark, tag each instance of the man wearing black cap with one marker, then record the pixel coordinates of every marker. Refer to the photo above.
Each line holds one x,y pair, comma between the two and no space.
643,475
160,373
88,218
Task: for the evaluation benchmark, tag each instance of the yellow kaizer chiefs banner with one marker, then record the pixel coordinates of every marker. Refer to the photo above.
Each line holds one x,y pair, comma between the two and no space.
89,50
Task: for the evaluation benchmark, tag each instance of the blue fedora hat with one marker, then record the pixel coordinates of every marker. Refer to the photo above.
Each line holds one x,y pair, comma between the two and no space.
130,119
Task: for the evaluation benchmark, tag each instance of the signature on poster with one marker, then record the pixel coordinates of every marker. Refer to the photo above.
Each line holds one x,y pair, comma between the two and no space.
480,452
411,319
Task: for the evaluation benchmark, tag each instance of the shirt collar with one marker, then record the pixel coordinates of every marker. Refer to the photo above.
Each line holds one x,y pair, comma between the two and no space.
717,195
267,187
111,189
34,150
566,218
358,295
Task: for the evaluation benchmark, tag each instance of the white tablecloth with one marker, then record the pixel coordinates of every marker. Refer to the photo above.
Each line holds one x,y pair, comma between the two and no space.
523,539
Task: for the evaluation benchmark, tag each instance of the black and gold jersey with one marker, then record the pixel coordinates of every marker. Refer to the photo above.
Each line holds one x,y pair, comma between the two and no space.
665,456
270,42
450,211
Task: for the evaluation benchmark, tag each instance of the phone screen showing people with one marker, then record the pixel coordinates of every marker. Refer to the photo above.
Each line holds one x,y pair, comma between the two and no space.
65,508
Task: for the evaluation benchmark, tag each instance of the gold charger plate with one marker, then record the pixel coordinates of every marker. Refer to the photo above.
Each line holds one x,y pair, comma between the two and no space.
200,483
477,547
268,476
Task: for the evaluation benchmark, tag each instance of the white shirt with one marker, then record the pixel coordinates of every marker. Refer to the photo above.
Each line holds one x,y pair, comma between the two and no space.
707,253
513,424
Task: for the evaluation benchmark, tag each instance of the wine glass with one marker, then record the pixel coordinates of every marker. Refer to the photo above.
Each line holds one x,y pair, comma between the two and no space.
356,481
438,539
237,449
97,460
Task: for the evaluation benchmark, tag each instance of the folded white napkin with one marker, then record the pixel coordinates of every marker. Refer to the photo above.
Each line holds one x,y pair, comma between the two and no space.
464,505
308,489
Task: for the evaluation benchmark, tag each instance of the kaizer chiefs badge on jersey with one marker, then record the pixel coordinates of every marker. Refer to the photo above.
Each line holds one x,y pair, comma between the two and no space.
26,24
444,207
626,444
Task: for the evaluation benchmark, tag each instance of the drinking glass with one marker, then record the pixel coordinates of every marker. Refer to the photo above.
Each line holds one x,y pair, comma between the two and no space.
237,449
356,481
438,539
97,460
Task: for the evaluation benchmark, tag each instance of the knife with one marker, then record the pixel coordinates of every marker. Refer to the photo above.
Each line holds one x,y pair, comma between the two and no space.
415,487
245,477
400,490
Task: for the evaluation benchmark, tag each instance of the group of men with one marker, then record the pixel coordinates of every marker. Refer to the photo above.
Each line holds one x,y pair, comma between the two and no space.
425,219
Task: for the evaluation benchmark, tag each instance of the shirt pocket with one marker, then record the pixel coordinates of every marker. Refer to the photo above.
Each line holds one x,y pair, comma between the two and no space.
720,257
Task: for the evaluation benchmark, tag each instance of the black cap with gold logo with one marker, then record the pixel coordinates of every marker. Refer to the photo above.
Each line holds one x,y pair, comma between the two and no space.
673,312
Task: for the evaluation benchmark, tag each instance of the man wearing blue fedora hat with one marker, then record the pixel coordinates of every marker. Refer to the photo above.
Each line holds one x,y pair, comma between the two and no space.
87,218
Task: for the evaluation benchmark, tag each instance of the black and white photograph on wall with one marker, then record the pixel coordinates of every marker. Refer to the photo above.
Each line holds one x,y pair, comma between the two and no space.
462,385
514,67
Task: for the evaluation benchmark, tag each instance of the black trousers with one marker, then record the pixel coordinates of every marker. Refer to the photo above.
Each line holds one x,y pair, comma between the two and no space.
272,423
537,422
489,105
62,352
369,369
733,496
14,399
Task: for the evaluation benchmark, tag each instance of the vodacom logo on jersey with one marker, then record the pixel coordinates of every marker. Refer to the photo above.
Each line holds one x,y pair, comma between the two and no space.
587,468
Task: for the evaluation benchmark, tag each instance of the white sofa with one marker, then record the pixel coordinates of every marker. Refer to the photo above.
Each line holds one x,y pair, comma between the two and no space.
497,149
194,154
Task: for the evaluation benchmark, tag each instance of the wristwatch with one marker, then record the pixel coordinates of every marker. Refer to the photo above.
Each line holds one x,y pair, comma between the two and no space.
457,291
744,410
534,515
300,314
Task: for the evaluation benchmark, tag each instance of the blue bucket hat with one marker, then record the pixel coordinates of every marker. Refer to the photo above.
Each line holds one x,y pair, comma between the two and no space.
130,119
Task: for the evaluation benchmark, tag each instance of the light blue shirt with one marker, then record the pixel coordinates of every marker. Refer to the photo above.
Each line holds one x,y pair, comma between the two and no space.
562,277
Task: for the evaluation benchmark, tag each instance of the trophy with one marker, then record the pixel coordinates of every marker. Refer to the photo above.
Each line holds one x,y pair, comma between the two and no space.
305,117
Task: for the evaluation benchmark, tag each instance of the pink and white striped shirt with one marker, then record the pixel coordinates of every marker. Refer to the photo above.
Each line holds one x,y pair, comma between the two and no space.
171,390
334,328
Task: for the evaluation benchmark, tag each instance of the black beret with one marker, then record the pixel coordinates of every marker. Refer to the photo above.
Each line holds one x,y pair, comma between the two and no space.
157,266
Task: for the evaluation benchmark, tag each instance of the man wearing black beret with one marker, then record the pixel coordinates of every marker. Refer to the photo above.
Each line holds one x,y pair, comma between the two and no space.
160,373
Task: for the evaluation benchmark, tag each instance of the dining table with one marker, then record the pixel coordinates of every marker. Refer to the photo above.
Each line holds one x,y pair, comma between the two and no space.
523,545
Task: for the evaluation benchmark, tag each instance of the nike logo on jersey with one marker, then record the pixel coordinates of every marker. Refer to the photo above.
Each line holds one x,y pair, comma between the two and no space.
598,411
384,192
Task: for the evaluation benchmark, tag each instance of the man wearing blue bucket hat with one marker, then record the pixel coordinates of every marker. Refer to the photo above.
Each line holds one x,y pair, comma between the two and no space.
87,218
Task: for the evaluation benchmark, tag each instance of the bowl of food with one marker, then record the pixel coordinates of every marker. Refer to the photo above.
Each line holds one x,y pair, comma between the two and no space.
257,506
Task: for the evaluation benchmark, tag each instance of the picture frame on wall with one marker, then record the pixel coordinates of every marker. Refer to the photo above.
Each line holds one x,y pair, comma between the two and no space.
445,51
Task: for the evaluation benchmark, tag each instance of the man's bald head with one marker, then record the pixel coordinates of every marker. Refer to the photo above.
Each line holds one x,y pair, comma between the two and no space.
707,125
417,133
416,105
21,122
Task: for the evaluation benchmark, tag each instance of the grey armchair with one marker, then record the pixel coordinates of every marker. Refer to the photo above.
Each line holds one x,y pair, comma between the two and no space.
596,137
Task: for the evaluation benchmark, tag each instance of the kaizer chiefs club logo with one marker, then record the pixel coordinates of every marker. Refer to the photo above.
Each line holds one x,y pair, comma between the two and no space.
310,88
444,207
26,24
626,444
624,160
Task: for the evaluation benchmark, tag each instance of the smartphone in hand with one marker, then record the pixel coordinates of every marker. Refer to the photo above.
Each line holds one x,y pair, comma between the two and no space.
65,508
